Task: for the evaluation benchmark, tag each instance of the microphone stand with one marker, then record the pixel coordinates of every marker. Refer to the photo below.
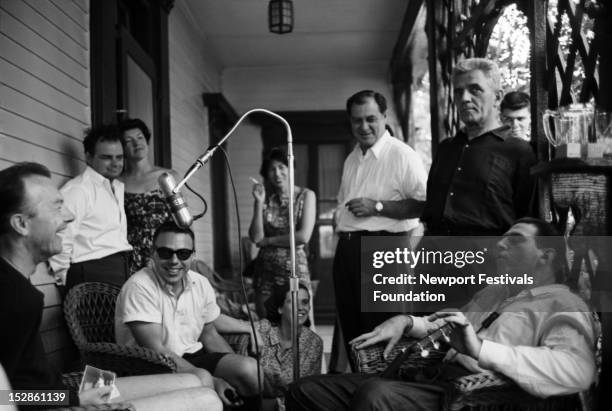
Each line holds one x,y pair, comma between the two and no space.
293,279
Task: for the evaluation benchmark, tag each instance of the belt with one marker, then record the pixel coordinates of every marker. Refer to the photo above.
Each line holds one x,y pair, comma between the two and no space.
351,235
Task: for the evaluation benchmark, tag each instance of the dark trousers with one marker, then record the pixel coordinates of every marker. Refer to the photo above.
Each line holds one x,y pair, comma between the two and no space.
347,287
112,269
360,392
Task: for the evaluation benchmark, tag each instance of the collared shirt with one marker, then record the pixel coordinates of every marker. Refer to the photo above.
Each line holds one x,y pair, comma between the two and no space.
389,170
543,339
277,361
479,186
182,317
99,228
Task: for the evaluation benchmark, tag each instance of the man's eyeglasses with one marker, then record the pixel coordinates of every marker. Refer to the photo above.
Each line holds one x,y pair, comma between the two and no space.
166,253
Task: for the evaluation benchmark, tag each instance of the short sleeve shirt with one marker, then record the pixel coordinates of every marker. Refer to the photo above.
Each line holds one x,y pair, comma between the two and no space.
145,298
390,170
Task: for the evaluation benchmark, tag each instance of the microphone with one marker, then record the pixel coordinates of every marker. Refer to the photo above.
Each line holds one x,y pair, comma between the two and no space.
178,207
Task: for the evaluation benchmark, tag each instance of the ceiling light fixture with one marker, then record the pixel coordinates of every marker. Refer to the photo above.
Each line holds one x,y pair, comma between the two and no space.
280,16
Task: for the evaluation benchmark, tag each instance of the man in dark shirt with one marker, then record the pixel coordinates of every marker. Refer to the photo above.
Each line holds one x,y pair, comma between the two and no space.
31,216
22,353
479,181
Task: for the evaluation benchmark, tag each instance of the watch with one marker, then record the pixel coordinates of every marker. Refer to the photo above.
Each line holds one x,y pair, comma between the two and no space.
378,206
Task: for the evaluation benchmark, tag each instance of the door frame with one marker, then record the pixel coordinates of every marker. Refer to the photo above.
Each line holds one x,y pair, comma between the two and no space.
107,69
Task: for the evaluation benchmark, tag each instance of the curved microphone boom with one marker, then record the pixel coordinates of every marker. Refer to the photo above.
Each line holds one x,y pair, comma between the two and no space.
178,207
293,279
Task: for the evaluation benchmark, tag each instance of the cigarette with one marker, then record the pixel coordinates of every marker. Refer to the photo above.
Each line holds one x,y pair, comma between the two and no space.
254,180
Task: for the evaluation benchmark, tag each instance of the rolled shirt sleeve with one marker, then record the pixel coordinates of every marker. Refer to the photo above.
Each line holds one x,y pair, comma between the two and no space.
564,363
138,303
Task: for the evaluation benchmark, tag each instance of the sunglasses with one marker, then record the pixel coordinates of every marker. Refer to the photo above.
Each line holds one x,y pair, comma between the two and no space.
166,253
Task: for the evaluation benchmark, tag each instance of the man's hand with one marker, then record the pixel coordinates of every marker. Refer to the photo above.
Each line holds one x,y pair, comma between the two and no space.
95,396
463,339
223,388
391,330
362,207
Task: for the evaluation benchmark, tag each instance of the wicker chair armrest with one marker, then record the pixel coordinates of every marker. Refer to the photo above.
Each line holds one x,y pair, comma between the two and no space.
219,283
238,342
370,360
491,389
482,381
72,380
228,286
126,360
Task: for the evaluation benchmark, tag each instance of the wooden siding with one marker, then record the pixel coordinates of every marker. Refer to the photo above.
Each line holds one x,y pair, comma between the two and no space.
44,109
245,148
192,72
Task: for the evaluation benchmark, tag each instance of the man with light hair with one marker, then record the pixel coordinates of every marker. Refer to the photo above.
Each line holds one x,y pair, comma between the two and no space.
479,181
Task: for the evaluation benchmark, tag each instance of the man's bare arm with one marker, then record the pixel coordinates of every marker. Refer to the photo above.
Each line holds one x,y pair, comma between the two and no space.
213,341
149,335
397,209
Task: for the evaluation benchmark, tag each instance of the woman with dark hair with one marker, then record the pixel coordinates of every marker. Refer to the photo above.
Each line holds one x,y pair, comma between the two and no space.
145,208
270,227
276,353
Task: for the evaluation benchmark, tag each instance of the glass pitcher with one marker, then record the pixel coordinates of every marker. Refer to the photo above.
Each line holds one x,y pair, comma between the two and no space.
570,124
581,117
558,135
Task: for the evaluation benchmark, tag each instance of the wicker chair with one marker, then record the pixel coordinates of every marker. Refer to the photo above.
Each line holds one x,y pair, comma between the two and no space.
482,391
228,291
89,309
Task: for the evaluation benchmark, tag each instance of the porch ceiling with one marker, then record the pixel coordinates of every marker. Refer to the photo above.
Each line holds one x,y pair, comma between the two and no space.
325,32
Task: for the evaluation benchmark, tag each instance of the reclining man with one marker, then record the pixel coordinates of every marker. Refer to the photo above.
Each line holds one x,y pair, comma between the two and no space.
32,216
543,338
173,310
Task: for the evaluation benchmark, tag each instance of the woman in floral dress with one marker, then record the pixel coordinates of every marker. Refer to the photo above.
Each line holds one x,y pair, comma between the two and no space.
270,227
145,208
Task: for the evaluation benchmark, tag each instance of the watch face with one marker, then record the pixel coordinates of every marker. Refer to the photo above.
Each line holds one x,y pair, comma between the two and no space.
378,206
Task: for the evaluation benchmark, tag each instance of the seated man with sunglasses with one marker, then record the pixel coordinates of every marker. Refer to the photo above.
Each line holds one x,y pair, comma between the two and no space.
173,310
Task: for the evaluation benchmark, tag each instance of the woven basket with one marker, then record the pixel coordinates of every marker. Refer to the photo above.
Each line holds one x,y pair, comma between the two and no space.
483,391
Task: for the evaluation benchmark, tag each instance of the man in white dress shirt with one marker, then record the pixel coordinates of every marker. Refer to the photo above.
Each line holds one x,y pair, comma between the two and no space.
95,244
381,194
